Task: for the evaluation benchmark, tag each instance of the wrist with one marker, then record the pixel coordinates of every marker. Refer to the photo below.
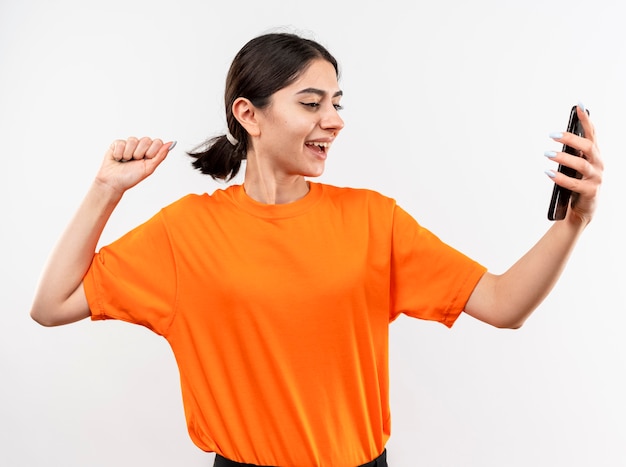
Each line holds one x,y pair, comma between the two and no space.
106,192
577,220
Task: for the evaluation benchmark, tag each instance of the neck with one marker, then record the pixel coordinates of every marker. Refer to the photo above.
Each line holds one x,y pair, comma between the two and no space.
268,187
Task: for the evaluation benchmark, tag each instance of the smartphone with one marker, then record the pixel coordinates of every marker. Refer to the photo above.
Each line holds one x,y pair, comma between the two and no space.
561,196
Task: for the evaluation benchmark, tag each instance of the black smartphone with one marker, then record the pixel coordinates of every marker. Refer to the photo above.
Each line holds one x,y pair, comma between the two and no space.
561,196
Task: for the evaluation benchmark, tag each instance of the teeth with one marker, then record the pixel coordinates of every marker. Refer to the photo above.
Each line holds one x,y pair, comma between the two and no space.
320,144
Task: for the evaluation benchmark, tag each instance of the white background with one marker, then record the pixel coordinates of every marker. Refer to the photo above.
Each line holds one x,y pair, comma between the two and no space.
448,107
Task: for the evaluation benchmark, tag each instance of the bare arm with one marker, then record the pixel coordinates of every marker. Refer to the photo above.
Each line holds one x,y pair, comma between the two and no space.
506,300
60,297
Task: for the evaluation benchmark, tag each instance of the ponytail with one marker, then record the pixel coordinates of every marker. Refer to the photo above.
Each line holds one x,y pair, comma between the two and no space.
219,158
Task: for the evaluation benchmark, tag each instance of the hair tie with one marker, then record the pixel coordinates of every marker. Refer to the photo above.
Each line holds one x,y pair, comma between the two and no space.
231,139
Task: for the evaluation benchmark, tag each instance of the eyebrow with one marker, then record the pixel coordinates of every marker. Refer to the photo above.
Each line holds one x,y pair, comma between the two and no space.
319,92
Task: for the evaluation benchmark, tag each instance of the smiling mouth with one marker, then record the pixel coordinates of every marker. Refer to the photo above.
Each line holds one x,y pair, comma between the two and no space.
320,146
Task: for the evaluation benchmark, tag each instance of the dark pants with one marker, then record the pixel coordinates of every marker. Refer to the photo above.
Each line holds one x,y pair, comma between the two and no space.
380,461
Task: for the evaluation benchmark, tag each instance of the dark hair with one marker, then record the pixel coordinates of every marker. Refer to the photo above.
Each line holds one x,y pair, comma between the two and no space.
264,65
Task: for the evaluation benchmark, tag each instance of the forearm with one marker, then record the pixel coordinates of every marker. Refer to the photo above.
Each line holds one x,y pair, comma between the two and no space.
508,299
59,298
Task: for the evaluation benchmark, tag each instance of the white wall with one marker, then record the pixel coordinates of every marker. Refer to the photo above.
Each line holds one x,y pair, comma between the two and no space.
448,109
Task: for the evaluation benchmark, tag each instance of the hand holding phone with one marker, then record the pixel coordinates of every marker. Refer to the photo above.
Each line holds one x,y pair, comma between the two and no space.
561,196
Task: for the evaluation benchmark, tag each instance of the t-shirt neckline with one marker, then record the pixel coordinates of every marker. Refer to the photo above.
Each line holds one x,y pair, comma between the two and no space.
277,211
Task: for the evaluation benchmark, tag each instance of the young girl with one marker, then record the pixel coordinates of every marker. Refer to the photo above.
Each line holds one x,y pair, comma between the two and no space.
276,295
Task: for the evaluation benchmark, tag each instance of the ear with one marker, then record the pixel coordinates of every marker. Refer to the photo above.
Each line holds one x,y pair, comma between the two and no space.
247,115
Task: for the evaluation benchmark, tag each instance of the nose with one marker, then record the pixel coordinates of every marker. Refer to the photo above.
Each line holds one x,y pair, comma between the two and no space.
331,120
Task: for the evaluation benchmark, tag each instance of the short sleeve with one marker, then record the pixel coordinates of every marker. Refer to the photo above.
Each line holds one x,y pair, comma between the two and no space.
429,279
134,278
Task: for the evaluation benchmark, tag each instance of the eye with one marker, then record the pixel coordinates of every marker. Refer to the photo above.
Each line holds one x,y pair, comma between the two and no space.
338,107
313,105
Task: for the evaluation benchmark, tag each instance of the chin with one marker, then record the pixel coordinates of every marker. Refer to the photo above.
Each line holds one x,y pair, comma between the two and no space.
314,173
316,170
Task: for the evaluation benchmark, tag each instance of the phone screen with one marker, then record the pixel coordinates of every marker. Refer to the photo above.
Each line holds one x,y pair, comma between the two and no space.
561,196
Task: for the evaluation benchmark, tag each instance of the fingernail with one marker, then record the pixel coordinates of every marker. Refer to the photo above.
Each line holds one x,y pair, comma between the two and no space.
550,173
556,135
172,146
550,154
581,106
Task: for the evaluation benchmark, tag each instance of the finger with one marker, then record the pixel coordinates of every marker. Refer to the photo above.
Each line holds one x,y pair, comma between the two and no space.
142,146
585,120
589,179
584,188
589,132
154,148
117,149
571,183
579,164
593,153
587,148
129,149
153,163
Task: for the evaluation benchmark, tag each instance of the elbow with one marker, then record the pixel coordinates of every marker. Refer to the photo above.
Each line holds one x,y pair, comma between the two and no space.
510,323
50,312
515,325
50,318
48,315
50,321
42,318
43,311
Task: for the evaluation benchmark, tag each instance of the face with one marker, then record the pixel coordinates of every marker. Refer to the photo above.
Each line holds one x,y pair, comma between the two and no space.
300,124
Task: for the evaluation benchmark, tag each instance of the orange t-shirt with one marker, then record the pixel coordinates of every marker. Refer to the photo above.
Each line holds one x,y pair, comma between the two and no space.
278,315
